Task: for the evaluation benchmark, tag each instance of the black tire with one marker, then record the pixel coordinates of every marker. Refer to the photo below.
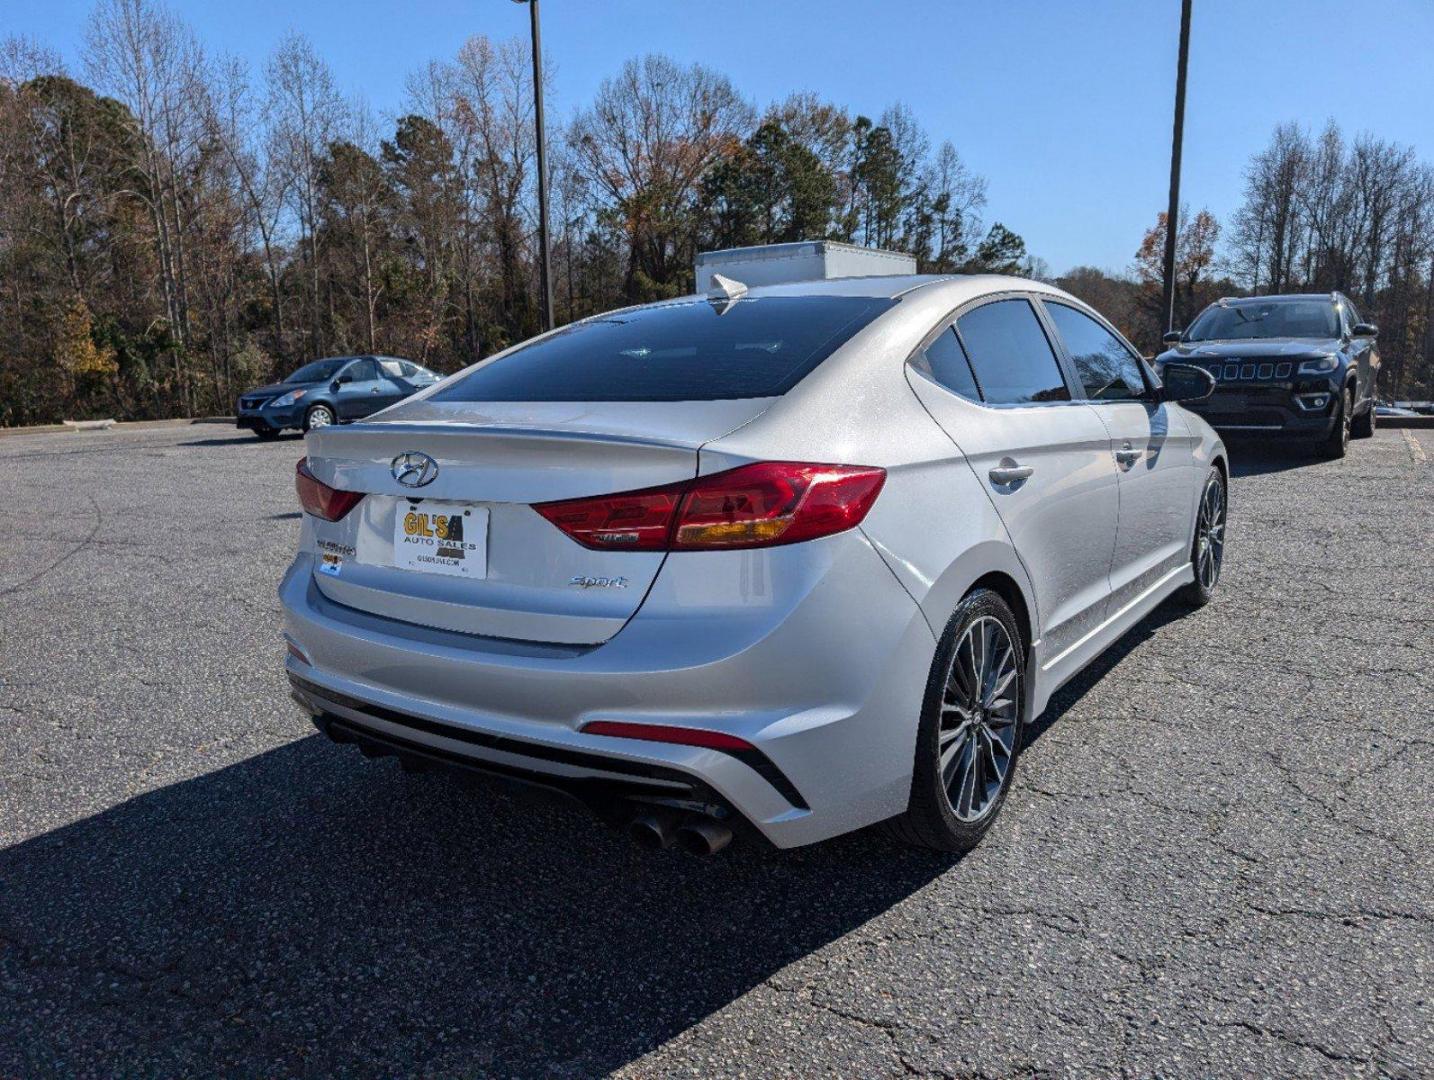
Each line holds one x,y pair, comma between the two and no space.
1363,425
267,433
1209,557
931,820
319,415
1336,444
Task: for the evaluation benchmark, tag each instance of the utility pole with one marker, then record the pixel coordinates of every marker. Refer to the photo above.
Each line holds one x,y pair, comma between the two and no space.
544,246
1172,216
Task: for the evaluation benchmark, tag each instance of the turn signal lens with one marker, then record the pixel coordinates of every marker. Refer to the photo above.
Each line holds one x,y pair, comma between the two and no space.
762,505
318,498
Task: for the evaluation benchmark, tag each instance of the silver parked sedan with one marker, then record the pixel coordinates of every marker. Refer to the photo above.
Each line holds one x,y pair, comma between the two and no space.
805,556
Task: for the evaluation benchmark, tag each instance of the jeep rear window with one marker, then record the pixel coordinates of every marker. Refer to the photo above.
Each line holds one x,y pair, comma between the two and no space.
688,351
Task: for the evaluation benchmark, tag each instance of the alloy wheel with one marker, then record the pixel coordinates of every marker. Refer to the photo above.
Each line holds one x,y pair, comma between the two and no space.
1210,534
978,718
319,417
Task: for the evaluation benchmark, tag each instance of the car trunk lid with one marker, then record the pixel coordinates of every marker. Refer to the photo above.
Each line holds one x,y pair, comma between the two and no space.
520,576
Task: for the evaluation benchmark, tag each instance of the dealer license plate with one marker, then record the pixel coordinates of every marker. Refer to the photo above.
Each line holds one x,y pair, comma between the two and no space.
441,538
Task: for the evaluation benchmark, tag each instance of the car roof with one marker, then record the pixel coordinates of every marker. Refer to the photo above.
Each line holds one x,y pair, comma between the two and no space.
1328,298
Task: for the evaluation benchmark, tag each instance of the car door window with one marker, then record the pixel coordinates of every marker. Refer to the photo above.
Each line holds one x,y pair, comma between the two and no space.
945,361
1351,316
1012,360
1108,371
362,371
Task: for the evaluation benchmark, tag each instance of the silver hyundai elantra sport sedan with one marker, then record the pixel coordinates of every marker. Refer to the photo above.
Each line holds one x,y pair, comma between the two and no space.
805,556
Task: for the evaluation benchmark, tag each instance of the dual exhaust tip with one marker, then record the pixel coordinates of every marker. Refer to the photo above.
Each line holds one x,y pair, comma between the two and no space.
696,835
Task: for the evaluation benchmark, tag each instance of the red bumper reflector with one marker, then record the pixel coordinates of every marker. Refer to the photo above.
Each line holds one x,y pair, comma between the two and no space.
712,740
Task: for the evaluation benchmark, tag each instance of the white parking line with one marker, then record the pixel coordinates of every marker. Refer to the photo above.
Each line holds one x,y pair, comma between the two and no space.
1416,450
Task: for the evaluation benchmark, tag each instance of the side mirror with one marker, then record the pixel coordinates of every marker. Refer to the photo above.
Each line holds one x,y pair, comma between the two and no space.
1172,338
1365,329
1186,382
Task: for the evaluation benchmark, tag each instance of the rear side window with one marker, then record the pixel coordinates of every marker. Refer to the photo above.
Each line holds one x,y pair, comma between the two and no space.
1010,355
1108,371
945,361
691,351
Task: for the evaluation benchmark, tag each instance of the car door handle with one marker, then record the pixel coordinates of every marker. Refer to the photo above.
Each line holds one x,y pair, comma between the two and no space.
374,390
1010,474
1127,457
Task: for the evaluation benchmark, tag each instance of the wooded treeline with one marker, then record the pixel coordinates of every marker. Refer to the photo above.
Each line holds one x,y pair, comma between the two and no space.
175,227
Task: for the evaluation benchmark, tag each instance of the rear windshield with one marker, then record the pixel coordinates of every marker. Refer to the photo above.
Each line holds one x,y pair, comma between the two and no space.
1277,319
676,352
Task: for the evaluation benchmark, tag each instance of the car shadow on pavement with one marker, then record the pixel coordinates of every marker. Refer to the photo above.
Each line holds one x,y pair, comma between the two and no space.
1253,457
304,912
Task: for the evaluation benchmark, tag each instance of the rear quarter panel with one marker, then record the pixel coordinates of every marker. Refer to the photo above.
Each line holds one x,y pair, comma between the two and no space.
932,524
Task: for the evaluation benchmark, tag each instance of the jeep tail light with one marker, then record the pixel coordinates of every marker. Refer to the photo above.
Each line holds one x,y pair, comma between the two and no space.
318,498
762,505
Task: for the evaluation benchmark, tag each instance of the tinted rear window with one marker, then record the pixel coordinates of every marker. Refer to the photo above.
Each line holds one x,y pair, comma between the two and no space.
676,352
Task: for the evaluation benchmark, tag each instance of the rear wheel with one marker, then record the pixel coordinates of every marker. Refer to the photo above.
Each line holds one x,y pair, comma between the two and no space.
1336,443
971,728
1207,552
318,416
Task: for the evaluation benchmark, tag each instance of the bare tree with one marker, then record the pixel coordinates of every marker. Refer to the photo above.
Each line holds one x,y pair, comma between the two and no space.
643,146
146,58
306,113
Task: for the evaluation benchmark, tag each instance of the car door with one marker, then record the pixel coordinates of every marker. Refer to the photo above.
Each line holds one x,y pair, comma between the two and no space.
1364,355
1151,446
360,390
393,385
992,381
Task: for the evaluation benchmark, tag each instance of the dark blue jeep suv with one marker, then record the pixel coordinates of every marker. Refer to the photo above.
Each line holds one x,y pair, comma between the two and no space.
329,392
1301,366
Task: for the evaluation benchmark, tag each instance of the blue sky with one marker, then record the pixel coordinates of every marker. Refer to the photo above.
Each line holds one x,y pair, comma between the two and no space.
1064,106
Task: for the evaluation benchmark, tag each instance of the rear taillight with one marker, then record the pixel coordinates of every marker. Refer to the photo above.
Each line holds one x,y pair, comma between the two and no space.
318,498
774,502
629,521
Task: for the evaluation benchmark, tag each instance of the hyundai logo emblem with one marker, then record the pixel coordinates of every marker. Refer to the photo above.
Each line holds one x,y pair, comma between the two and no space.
414,470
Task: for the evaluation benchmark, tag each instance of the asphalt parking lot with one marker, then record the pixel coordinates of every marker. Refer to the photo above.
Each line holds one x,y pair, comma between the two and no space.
1218,858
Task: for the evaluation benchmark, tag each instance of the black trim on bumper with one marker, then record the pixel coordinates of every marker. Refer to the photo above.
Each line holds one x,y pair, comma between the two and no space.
638,772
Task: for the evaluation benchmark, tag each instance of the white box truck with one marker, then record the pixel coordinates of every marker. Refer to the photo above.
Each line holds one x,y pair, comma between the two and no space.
804,260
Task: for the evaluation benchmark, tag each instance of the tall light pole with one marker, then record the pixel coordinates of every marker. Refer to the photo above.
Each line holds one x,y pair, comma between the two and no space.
545,248
1172,216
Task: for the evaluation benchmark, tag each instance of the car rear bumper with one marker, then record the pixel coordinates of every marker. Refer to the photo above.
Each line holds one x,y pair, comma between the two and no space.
828,690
